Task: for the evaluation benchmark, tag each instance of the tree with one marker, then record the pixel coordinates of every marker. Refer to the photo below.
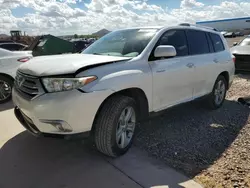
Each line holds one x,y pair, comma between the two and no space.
75,36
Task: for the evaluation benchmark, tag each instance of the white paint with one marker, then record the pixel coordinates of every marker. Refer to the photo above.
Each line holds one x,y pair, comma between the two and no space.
166,82
9,63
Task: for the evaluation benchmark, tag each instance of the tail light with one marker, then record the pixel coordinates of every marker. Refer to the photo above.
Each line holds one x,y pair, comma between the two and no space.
234,59
24,59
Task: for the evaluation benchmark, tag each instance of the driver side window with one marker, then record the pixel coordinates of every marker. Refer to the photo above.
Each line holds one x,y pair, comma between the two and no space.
176,38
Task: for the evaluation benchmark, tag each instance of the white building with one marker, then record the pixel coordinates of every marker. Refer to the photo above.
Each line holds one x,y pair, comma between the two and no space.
234,24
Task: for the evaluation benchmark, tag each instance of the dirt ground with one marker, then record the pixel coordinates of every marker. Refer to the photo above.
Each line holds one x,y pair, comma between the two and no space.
210,146
213,147
232,40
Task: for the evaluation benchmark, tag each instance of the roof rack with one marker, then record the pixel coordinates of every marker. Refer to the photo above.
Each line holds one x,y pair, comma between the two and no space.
195,25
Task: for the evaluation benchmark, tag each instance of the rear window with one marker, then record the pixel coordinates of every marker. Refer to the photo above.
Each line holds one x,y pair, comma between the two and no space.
197,41
217,42
12,47
245,42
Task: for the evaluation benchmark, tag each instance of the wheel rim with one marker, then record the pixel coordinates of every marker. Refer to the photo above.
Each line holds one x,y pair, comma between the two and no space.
5,90
219,92
125,128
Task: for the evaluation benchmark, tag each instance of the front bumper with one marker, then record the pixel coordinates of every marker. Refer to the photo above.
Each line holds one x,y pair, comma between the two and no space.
76,111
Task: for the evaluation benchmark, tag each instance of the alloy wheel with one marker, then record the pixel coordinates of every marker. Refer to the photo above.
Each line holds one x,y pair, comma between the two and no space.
125,128
5,90
219,92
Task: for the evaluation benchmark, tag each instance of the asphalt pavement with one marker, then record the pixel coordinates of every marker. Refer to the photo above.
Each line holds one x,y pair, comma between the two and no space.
30,162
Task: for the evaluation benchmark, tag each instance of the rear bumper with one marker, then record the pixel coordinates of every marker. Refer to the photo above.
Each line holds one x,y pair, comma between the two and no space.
242,62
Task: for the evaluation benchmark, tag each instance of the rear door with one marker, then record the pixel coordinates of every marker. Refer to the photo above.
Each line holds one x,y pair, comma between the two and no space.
202,55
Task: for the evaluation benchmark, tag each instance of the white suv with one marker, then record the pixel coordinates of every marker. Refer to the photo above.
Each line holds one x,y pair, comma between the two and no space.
119,80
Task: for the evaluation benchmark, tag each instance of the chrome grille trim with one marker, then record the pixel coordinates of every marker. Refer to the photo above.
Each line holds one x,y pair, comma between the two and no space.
29,87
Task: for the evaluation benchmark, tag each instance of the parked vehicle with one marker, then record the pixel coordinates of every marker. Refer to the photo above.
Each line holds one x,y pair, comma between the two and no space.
13,46
80,45
9,62
230,35
239,34
223,33
241,52
121,78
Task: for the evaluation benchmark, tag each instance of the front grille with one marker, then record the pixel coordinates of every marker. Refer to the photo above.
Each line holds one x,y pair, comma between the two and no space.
27,86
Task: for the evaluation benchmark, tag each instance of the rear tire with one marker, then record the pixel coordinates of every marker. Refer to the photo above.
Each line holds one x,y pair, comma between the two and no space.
216,99
6,85
113,136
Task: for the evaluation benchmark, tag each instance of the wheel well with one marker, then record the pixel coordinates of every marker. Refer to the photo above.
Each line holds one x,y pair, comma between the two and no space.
225,74
8,76
138,95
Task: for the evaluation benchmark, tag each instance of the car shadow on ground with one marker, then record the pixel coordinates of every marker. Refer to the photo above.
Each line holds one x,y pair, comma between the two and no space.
27,161
6,106
189,137
243,74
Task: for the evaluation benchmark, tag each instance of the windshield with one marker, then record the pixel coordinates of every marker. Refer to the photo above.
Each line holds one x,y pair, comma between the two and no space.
126,43
245,42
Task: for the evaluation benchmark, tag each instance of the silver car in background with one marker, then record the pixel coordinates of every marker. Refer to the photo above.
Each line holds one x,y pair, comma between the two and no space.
9,63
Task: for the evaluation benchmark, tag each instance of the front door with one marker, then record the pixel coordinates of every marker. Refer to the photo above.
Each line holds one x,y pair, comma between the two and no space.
173,78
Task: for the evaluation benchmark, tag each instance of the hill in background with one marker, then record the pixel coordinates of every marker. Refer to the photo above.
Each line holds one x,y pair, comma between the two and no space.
101,33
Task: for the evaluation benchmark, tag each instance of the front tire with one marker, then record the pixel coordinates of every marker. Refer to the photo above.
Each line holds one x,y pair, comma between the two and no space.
217,97
115,125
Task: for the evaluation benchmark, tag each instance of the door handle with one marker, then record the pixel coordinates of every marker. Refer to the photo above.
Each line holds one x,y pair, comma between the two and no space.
216,61
190,65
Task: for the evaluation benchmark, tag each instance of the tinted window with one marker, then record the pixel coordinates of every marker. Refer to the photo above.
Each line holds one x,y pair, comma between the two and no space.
12,47
176,38
197,41
217,42
16,47
245,42
4,46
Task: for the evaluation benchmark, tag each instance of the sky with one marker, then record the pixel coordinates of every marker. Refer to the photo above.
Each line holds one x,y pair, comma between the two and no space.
66,17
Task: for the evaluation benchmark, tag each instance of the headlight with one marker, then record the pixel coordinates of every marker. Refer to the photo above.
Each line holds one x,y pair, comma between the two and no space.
66,84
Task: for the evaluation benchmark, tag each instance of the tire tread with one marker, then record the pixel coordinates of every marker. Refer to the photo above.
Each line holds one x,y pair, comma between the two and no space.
104,123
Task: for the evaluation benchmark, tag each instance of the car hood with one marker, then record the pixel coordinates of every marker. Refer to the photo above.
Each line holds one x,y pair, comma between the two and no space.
243,50
64,64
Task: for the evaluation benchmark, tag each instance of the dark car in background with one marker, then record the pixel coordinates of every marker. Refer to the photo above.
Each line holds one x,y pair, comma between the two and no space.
230,35
239,34
241,52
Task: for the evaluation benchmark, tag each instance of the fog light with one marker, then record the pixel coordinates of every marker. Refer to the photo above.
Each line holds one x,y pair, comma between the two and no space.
60,125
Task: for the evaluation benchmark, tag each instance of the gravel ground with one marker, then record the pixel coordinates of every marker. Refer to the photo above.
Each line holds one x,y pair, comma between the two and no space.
210,146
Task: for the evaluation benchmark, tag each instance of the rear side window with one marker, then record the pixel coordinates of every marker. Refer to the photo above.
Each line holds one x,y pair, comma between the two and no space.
12,47
176,38
217,42
197,42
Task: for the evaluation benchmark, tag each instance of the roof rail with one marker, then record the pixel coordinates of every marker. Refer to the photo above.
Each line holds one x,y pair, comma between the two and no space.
196,25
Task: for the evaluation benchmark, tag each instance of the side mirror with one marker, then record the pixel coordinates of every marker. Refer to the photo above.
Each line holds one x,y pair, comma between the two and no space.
235,43
165,51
